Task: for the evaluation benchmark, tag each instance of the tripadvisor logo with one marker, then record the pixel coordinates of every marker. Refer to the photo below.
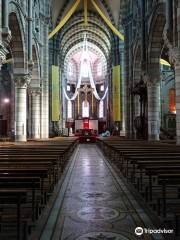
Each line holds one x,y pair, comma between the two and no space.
139,231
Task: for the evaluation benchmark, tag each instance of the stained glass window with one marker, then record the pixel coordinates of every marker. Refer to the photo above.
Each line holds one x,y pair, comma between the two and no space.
69,109
85,72
99,69
172,100
70,69
85,109
101,109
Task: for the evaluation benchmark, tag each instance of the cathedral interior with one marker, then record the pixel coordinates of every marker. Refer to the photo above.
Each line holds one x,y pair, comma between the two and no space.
89,119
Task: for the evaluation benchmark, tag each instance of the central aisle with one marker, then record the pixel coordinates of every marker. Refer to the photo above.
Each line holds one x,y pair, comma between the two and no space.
97,205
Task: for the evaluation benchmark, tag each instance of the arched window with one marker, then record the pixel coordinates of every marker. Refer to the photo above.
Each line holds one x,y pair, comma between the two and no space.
172,100
69,109
102,88
85,109
99,69
70,69
101,109
85,70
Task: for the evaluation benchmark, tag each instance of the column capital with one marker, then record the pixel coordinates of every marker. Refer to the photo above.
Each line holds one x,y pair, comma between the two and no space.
150,80
22,80
153,81
35,91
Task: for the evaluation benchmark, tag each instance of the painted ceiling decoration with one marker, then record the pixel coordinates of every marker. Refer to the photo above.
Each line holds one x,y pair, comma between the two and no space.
65,19
73,9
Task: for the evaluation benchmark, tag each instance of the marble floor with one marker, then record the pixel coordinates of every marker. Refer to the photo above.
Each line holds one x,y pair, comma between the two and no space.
95,204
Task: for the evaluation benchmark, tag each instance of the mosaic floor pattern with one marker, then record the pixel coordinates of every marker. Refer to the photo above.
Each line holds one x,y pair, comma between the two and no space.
95,205
105,236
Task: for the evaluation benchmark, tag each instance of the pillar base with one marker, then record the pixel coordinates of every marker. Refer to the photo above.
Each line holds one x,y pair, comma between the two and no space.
153,138
44,136
122,133
178,140
35,137
20,138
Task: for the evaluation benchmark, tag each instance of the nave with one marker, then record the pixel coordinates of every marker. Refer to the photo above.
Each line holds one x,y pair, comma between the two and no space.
59,189
89,71
96,203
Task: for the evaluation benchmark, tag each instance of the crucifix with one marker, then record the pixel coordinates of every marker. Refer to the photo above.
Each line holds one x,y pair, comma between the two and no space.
85,90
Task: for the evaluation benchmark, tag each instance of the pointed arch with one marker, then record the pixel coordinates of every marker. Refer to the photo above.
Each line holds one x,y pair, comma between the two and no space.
17,44
156,42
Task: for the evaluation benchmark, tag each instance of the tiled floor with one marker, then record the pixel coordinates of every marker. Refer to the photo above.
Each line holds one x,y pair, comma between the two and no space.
96,204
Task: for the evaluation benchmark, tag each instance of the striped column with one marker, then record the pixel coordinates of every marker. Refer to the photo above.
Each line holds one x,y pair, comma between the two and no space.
153,110
21,83
35,113
2,50
64,102
123,92
30,26
136,105
4,23
45,84
176,58
5,14
177,82
3,53
0,17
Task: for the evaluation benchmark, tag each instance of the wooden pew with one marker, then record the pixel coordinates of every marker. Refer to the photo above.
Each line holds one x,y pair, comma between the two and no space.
21,165
145,164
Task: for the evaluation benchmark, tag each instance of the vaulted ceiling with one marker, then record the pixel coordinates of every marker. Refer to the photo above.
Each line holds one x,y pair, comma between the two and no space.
112,8
97,31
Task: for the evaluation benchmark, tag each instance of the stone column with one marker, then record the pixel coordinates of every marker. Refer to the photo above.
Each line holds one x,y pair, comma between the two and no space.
2,49
5,35
137,107
0,16
30,31
177,82
153,110
174,55
64,103
21,83
45,82
5,14
123,90
169,15
3,53
35,113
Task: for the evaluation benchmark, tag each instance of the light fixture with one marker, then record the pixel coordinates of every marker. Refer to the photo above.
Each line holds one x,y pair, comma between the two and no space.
6,100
